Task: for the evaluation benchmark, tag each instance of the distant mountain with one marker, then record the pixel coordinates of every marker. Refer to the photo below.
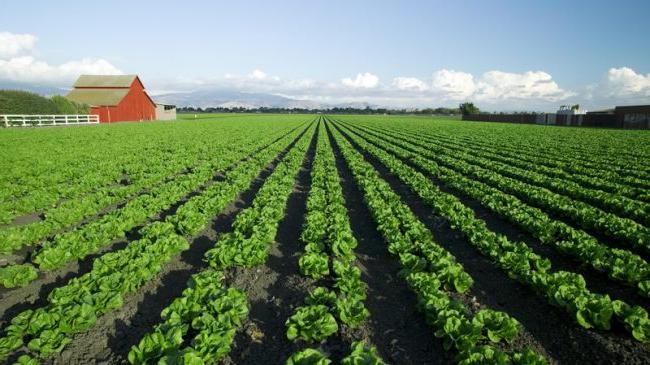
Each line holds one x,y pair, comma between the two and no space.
44,90
206,98
356,105
233,99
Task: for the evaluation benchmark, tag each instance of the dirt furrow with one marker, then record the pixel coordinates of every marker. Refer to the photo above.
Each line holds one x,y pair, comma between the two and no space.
275,288
596,281
14,301
545,327
396,328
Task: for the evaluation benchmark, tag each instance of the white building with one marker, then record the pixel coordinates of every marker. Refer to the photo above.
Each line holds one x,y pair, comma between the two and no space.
165,112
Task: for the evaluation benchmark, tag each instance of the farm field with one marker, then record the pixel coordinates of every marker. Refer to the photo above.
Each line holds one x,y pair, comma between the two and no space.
313,239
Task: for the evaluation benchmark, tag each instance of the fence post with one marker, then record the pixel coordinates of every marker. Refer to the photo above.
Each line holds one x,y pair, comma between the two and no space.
6,119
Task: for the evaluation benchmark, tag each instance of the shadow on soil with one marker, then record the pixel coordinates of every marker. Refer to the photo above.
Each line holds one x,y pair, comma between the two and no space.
553,329
397,329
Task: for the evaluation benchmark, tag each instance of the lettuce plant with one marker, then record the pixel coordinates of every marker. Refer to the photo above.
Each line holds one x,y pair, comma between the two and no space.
497,325
484,355
322,296
308,357
17,275
362,355
351,311
311,323
315,265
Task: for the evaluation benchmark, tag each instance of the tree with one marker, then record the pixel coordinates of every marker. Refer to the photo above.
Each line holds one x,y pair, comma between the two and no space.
22,102
67,106
468,108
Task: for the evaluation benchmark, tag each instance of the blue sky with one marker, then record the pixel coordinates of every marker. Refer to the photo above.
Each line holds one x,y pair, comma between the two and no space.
593,52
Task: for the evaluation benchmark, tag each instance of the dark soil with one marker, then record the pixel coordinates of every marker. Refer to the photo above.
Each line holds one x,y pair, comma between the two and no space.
597,281
614,242
146,303
24,255
34,295
395,327
275,288
110,340
547,329
23,219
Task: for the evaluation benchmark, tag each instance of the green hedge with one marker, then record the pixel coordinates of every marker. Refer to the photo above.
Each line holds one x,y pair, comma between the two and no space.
22,102
67,106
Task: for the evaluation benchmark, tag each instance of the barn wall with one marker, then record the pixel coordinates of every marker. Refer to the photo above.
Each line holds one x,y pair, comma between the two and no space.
136,106
102,112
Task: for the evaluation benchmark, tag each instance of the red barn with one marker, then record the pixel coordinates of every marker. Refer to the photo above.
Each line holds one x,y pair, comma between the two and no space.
116,98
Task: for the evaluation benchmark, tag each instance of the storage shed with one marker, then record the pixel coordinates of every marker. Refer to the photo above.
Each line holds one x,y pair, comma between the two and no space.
114,98
165,112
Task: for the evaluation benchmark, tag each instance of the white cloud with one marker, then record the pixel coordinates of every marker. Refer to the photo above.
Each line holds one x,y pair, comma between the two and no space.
16,65
492,90
453,85
409,83
625,82
362,81
498,85
29,69
496,88
15,44
258,75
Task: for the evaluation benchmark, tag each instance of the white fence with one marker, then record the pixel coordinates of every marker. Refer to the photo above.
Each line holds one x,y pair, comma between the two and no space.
20,120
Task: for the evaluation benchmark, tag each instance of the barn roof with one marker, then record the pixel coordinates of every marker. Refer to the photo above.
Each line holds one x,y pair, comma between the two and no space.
105,81
98,97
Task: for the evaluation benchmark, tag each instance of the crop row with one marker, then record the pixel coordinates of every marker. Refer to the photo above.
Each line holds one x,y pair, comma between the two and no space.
75,307
563,289
610,202
360,354
433,273
329,253
619,264
593,152
94,175
55,165
77,244
199,326
614,167
541,147
533,161
24,197
73,211
586,216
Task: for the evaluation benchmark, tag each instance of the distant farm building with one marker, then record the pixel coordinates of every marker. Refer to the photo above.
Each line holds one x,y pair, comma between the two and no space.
114,98
633,116
628,117
165,112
